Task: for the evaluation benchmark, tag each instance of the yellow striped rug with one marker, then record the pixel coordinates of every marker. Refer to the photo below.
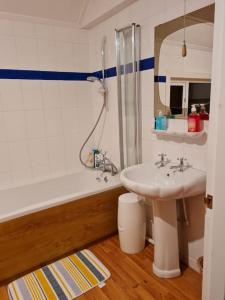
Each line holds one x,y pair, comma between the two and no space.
64,279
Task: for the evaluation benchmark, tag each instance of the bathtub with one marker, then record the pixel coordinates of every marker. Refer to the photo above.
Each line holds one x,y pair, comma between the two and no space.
23,200
47,220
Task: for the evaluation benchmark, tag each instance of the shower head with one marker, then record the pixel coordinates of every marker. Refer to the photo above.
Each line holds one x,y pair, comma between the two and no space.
93,79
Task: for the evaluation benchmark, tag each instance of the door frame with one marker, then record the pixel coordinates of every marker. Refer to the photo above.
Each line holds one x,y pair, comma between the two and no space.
214,243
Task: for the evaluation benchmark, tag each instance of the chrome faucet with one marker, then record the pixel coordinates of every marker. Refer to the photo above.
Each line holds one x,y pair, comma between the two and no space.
181,166
162,162
106,165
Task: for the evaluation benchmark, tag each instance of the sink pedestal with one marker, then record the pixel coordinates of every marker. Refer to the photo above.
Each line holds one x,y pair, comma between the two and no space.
166,249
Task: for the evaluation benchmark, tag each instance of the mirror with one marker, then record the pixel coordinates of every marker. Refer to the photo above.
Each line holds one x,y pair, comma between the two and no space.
183,81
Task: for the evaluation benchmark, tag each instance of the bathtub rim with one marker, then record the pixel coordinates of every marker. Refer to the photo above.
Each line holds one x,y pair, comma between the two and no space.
56,202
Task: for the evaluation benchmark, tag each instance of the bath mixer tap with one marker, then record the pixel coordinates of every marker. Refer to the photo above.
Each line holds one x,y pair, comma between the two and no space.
106,165
162,162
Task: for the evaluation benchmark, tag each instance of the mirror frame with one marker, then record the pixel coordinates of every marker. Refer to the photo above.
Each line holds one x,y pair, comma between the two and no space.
162,31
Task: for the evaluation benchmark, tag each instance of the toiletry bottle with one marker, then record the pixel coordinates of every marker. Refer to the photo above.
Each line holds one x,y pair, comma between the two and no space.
96,159
193,120
203,113
161,121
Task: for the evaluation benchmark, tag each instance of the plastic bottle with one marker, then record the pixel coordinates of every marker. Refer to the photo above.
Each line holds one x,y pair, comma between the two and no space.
203,113
161,121
194,123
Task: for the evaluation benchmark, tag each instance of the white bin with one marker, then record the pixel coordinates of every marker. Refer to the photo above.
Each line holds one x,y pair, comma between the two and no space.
131,223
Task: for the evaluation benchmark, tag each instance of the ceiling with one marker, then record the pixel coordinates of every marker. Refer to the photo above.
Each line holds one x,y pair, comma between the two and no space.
60,10
82,13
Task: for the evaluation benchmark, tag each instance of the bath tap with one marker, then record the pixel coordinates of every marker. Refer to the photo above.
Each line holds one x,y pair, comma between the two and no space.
106,165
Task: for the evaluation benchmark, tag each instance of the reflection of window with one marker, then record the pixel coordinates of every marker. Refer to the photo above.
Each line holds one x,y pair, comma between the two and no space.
177,97
197,92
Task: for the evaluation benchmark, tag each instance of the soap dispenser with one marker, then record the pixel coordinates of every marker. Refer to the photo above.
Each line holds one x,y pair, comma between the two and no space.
203,113
194,120
161,121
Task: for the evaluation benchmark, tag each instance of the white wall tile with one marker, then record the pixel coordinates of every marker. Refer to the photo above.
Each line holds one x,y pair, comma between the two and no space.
15,125
35,124
22,176
69,93
70,120
27,53
5,179
11,95
64,56
3,135
56,154
19,156
4,157
51,96
23,29
47,55
53,122
32,94
8,53
38,152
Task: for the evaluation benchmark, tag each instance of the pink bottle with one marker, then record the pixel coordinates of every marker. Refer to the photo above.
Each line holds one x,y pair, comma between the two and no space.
194,122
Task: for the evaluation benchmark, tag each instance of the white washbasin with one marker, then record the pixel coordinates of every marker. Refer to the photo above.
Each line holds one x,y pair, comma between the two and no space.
159,184
162,183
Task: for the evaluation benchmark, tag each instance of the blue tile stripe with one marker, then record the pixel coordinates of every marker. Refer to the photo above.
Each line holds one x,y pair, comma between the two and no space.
42,75
145,64
160,78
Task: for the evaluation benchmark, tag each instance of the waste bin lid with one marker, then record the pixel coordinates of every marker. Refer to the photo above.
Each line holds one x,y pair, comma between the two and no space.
129,198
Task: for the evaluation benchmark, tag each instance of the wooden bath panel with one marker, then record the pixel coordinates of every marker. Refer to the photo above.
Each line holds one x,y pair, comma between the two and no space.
33,240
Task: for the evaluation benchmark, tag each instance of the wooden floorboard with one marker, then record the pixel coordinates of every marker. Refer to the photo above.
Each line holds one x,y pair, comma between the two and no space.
132,277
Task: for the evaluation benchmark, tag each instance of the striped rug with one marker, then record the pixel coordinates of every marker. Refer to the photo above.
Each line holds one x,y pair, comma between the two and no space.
64,279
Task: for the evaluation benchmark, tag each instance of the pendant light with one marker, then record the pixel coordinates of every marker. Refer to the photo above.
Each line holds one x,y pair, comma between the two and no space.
184,46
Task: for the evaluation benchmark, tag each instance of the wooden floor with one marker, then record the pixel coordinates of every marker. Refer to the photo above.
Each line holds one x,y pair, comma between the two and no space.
132,277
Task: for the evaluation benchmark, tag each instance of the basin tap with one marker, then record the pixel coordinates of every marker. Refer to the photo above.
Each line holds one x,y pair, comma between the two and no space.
162,162
181,166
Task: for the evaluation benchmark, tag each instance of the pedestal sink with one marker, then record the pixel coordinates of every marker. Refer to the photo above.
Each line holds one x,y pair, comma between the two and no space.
163,187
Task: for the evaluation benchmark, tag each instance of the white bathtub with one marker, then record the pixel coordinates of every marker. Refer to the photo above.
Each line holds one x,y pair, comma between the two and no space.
20,201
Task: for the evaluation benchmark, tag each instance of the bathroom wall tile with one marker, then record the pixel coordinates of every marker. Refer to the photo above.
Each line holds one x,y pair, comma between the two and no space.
23,29
72,148
43,31
53,122
5,180
4,157
27,53
47,55
51,96
80,54
56,154
6,27
64,56
19,156
38,152
69,93
15,125
41,172
3,135
21,176
8,53
11,95
70,120
32,94
35,124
